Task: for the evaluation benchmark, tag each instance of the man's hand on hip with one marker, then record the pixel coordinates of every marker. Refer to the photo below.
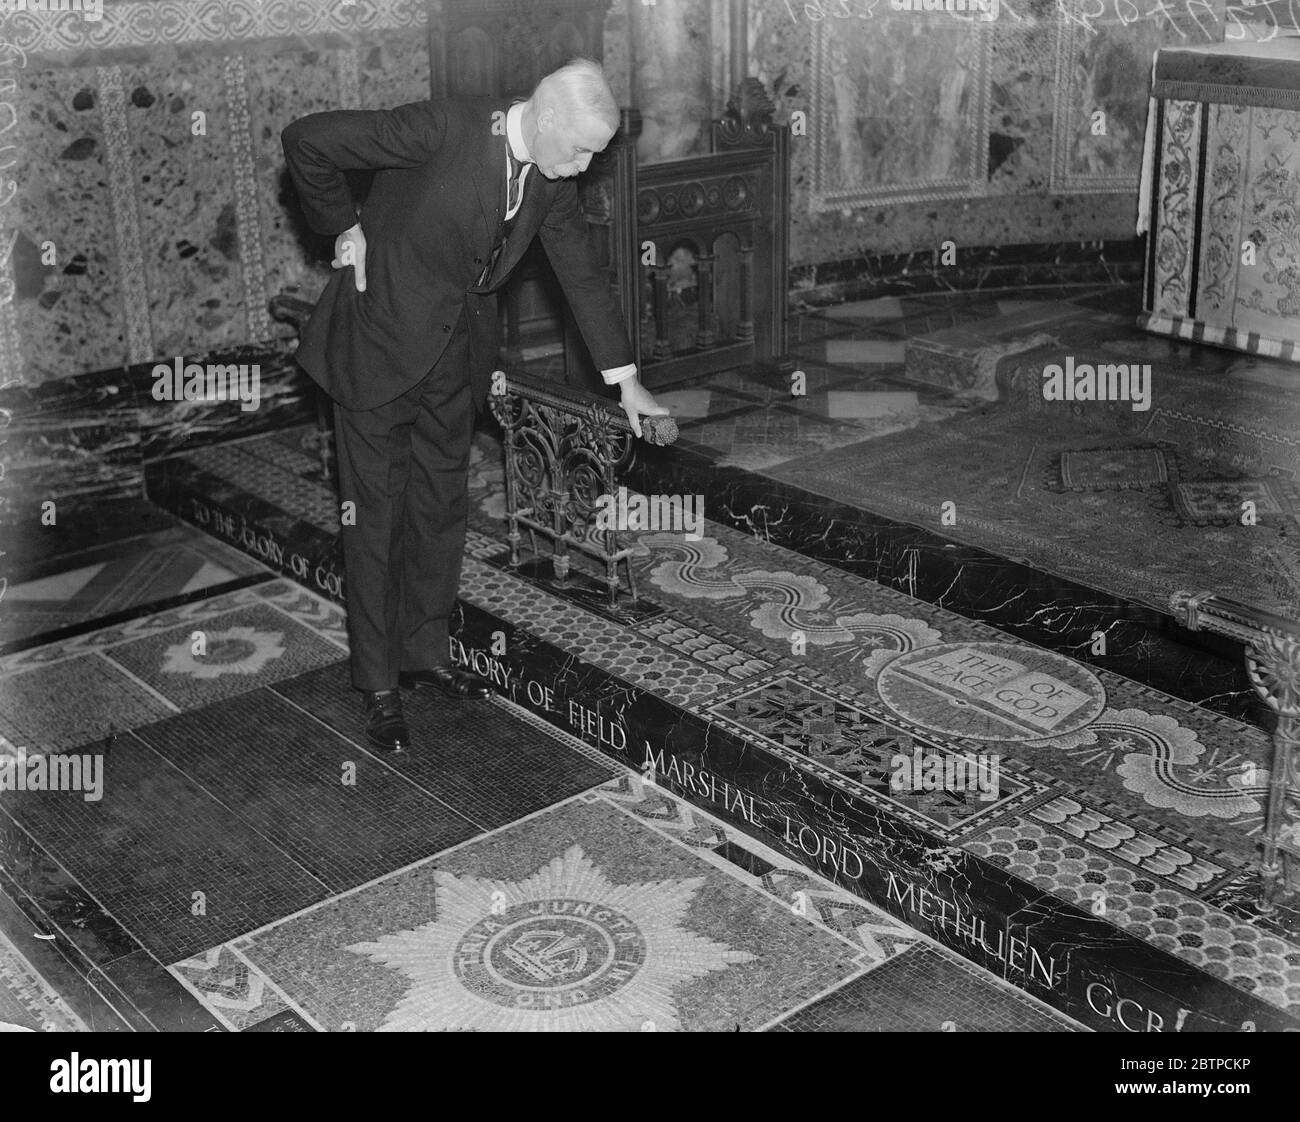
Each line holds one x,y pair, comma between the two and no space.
350,249
638,403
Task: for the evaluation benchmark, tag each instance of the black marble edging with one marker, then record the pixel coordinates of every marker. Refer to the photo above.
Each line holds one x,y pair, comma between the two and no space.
977,267
94,963
288,545
1144,645
95,433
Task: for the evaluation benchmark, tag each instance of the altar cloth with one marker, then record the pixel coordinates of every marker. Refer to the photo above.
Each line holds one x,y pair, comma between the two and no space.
1221,197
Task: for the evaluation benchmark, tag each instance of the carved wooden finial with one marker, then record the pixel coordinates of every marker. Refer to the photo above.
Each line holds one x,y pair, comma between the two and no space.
751,106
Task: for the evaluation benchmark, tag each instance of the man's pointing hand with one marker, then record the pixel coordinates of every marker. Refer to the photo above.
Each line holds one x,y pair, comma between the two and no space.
350,249
638,403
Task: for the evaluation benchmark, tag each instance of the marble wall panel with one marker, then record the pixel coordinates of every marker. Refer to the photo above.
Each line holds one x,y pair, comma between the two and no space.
673,66
67,295
617,60
282,88
182,237
1020,108
1050,64
187,200
1102,85
394,72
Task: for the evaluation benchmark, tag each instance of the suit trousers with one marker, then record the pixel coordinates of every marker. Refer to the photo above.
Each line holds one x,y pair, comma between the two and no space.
405,465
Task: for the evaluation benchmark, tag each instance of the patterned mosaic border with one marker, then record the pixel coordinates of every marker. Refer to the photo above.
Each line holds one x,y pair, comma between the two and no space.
252,263
304,607
1212,940
1023,792
42,1004
151,23
126,214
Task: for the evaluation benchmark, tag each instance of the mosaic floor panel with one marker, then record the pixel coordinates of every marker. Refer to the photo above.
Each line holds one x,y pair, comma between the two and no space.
133,574
27,1001
623,909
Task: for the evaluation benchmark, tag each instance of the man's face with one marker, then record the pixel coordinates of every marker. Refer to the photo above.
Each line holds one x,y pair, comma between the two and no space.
564,148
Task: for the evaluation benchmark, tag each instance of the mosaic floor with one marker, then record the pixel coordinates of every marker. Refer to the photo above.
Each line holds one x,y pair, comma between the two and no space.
1139,502
694,819
245,865
28,1003
1119,800
79,589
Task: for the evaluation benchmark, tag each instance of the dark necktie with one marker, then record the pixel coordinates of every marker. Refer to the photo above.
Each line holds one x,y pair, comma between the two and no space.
516,173
512,200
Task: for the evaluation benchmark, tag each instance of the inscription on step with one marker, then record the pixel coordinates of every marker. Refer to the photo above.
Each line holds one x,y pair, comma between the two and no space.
992,691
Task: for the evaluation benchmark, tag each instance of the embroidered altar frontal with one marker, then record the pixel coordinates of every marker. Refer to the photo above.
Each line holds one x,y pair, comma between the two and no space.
1223,171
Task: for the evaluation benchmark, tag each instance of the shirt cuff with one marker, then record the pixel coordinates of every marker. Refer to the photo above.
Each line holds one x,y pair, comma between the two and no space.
619,374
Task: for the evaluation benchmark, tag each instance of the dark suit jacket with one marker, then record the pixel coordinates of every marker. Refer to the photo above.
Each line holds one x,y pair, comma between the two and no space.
431,219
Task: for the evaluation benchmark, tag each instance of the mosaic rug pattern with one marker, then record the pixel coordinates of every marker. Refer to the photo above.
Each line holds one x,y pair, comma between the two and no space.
1005,475
1137,503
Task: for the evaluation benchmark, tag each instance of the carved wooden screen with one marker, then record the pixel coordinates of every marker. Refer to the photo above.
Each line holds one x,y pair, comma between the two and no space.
697,249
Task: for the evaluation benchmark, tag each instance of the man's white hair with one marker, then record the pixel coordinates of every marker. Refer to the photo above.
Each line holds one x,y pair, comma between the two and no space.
578,89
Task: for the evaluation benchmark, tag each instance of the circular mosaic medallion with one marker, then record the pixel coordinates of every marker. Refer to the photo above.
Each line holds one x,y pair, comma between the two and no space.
550,954
992,691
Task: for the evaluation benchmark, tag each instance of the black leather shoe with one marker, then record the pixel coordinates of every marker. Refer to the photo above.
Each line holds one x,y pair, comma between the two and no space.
385,726
463,685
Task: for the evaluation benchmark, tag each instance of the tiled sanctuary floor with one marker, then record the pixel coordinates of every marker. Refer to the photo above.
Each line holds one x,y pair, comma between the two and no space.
251,867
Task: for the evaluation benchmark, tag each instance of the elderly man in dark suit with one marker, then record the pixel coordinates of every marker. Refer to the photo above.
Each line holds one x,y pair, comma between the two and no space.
405,336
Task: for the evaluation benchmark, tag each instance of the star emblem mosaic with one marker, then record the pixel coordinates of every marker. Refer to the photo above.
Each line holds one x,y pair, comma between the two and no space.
563,950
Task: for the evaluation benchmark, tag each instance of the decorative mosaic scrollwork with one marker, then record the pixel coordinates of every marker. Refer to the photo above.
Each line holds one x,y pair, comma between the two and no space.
564,450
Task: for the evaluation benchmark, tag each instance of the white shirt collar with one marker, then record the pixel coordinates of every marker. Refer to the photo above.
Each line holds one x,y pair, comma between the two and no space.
515,133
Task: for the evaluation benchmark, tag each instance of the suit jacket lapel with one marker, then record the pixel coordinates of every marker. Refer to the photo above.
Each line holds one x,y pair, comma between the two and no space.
537,194
488,173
